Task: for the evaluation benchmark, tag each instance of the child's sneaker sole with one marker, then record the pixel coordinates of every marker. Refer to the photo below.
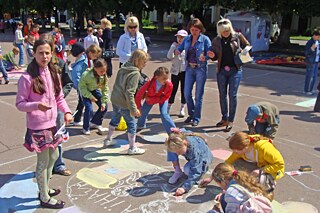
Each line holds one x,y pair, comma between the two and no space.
107,143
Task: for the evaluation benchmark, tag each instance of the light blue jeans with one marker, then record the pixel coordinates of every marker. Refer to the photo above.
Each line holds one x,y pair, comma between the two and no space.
130,120
311,76
59,165
21,53
3,70
199,76
167,122
232,80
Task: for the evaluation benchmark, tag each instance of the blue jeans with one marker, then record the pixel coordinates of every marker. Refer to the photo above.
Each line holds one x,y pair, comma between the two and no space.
21,54
59,164
311,76
88,112
165,117
3,70
130,120
232,79
199,76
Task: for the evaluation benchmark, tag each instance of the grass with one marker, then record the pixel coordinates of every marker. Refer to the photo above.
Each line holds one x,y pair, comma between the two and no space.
302,38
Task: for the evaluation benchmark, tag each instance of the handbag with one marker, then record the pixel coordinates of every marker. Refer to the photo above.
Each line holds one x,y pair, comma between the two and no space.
241,57
108,54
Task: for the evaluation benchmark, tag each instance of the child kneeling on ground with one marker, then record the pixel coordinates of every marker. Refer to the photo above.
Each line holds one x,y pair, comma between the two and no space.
239,187
196,151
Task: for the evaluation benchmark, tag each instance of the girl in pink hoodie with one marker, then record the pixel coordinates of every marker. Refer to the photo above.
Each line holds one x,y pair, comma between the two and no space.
39,95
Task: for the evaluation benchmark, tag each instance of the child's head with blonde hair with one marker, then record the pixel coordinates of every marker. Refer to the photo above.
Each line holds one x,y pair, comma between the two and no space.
139,58
93,51
177,141
15,50
223,173
105,23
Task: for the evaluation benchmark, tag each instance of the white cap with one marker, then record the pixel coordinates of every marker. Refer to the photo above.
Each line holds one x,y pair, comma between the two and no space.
182,33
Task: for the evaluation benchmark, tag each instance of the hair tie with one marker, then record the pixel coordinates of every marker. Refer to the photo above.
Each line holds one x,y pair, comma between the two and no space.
251,139
235,172
175,130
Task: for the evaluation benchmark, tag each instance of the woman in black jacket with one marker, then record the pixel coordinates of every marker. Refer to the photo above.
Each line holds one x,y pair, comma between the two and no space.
107,42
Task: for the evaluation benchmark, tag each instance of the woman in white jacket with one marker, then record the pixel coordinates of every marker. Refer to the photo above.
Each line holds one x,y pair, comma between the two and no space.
131,40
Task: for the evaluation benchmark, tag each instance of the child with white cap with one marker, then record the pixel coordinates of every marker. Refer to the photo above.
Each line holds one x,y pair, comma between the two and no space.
177,71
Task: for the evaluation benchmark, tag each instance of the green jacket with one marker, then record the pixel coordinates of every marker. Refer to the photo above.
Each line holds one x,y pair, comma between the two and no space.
125,87
9,57
88,83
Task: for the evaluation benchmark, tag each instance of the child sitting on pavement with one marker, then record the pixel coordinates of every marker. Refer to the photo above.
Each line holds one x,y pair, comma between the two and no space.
237,187
8,59
196,151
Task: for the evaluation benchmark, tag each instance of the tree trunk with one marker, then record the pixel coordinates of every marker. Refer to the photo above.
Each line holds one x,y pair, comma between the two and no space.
160,13
284,38
303,25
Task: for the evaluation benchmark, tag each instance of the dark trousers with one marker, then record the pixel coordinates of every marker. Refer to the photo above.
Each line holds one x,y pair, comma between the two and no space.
317,104
80,106
175,79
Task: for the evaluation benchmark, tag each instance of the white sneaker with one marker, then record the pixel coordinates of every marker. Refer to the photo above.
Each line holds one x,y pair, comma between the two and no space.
136,151
80,123
175,177
107,143
86,132
182,113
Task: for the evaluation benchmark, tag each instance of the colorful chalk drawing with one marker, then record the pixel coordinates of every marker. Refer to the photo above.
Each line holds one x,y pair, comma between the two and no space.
20,194
116,182
307,103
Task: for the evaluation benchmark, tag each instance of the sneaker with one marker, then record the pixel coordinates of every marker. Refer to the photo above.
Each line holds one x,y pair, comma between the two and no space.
136,151
222,123
7,82
182,113
86,132
107,143
175,177
195,123
80,123
22,65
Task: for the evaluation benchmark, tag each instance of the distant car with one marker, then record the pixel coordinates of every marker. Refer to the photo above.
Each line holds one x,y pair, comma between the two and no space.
274,31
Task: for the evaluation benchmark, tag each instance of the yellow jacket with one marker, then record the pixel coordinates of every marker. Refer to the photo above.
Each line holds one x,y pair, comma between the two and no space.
266,156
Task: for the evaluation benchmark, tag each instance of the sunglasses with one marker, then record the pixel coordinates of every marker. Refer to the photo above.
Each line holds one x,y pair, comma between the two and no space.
132,27
223,23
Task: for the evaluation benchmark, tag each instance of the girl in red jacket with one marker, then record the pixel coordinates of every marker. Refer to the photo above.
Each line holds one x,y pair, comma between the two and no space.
155,91
158,91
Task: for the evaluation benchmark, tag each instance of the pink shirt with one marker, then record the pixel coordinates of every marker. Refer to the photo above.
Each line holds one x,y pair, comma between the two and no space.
27,101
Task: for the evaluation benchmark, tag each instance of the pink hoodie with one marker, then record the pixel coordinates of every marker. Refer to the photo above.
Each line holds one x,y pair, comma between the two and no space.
27,101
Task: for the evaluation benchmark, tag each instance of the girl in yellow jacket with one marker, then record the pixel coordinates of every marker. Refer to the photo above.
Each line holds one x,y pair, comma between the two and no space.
257,149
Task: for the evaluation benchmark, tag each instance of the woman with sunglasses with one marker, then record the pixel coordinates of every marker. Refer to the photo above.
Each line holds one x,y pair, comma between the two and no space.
130,41
196,46
224,48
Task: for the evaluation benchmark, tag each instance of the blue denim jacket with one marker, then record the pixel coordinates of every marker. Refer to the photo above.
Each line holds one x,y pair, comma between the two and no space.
78,69
202,45
200,157
309,53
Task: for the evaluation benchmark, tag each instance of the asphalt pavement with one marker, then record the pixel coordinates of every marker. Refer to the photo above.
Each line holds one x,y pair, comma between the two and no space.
107,180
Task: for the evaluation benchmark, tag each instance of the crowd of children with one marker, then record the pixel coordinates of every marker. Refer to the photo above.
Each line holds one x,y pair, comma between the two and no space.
40,94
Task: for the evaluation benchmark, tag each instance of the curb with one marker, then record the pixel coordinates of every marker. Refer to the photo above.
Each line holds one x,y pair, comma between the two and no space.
285,69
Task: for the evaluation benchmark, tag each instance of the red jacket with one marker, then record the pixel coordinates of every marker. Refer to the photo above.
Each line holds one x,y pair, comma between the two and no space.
153,97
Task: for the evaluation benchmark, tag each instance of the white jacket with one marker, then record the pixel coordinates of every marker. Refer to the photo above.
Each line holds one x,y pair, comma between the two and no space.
89,40
178,61
124,46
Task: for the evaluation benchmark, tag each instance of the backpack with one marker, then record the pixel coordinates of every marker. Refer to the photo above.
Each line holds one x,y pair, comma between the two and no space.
255,203
143,79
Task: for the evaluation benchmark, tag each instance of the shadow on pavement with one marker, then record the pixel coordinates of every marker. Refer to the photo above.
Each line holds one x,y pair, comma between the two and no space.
308,116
